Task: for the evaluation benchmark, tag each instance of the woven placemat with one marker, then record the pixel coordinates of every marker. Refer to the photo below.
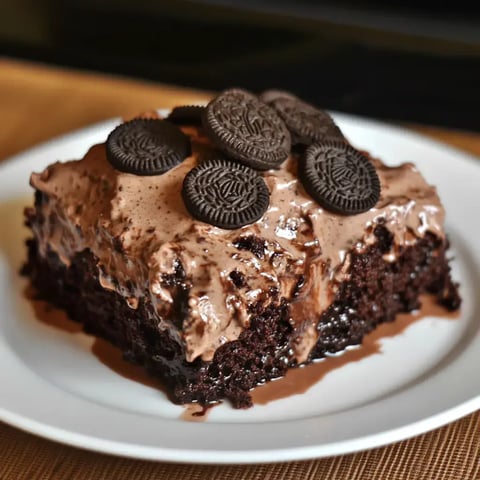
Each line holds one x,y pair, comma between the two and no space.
448,453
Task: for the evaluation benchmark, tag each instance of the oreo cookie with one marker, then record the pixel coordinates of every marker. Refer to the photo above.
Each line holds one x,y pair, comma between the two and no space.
339,178
187,115
225,193
147,146
306,123
247,129
269,96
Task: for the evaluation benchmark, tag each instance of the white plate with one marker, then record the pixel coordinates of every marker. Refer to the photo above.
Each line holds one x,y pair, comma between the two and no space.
52,384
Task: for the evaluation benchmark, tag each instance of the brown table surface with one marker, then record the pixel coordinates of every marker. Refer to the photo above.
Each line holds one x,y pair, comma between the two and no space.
39,102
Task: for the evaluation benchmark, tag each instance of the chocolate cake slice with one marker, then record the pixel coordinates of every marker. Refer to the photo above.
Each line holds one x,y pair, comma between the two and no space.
218,256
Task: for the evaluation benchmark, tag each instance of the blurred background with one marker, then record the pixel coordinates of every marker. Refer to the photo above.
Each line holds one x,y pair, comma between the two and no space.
414,61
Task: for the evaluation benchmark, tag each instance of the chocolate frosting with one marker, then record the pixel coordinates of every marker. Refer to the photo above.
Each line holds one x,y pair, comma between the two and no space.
141,233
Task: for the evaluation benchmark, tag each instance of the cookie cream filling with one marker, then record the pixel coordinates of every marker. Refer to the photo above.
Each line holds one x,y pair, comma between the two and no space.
141,234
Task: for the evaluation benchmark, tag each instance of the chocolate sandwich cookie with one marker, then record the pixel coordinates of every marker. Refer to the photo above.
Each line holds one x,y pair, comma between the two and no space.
339,178
147,146
270,95
246,129
187,115
306,123
225,193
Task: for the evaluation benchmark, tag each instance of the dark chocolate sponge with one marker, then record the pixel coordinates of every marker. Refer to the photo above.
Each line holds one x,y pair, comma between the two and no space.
262,352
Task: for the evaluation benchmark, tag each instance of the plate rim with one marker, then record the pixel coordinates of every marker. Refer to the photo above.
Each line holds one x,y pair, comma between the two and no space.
210,456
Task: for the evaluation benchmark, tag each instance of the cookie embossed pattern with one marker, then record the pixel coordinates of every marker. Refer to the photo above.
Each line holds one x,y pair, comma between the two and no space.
222,246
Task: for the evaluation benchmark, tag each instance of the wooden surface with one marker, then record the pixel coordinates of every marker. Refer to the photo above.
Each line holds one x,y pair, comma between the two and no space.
37,103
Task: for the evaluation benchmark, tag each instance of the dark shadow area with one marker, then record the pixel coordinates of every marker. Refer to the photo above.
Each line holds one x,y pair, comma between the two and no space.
404,61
